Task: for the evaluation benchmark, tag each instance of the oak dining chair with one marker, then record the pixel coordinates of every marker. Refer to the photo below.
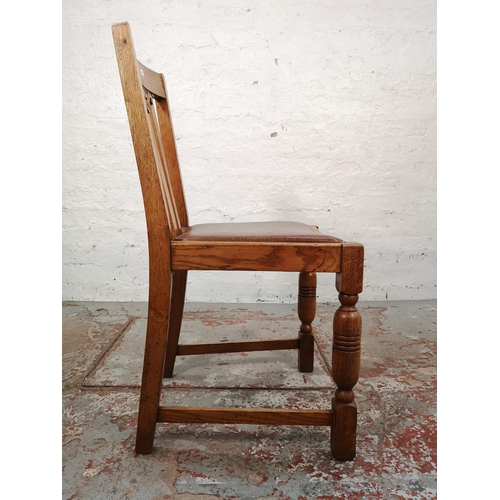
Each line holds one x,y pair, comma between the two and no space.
175,247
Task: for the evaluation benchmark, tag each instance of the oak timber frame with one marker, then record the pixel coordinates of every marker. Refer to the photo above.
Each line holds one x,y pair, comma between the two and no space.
170,257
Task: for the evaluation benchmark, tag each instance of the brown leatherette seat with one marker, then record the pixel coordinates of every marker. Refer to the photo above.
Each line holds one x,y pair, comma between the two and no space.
290,232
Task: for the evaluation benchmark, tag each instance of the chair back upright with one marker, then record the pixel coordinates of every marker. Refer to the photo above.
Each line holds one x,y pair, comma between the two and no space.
153,138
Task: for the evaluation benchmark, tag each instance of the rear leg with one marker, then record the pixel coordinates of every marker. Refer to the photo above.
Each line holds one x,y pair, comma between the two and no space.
174,326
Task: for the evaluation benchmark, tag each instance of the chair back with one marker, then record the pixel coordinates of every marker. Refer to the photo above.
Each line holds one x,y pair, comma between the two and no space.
153,138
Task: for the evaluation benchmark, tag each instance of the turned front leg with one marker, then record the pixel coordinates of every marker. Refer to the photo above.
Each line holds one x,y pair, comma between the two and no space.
345,367
346,353
306,307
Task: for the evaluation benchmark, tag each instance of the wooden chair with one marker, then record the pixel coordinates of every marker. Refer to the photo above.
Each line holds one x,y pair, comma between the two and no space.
176,247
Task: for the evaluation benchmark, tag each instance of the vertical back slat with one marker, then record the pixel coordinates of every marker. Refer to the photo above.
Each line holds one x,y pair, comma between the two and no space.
164,173
168,140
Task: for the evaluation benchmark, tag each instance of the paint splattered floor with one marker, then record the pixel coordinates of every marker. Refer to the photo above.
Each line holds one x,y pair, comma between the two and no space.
396,396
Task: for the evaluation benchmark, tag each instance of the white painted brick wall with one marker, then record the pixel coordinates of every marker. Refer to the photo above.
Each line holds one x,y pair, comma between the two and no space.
319,111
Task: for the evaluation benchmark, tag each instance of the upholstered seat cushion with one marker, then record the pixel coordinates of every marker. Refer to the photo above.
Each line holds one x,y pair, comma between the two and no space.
293,232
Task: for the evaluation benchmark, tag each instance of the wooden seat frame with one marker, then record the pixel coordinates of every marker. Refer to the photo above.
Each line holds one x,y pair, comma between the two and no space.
171,257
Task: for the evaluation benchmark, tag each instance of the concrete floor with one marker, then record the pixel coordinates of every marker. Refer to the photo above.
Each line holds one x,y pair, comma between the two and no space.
396,396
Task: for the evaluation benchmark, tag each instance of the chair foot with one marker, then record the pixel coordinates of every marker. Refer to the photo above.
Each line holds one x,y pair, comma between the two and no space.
343,441
144,445
151,383
306,353
152,371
